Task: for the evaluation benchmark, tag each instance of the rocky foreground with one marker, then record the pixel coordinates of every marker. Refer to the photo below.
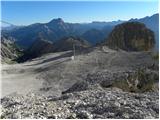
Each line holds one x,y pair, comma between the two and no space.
96,102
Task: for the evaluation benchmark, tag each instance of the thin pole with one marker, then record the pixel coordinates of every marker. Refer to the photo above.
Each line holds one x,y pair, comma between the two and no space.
74,51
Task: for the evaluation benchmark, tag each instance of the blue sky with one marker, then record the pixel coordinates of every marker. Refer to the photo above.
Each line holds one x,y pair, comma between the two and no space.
24,13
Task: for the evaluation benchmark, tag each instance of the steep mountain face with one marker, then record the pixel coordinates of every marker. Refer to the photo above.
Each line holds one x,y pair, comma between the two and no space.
38,48
68,43
93,36
131,36
8,48
152,23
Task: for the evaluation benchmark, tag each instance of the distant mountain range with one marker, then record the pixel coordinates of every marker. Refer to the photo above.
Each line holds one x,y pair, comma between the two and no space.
11,27
57,29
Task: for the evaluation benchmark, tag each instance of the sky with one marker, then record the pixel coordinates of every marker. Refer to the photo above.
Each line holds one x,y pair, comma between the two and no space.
29,12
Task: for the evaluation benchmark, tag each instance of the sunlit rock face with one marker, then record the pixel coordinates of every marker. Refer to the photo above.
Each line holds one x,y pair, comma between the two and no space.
131,36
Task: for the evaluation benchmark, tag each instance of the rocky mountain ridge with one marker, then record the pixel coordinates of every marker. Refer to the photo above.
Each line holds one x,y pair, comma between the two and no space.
56,29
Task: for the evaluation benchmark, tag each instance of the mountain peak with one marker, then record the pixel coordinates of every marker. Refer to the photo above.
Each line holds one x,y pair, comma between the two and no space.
155,15
57,20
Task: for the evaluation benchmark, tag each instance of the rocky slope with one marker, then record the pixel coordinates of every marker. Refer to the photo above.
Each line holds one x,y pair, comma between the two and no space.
101,83
131,36
94,103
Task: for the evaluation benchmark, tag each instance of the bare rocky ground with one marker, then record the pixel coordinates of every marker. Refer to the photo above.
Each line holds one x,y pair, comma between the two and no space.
54,86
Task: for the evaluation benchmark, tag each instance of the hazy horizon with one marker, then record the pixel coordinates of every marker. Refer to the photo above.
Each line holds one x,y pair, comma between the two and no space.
26,13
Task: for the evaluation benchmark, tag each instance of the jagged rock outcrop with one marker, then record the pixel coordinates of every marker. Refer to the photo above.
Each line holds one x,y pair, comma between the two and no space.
9,50
131,36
